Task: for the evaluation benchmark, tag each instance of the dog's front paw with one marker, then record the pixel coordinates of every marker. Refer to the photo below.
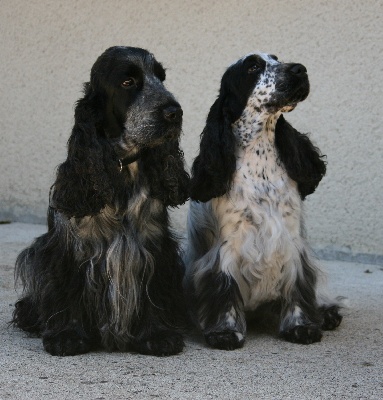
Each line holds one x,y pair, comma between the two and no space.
65,343
331,318
164,343
225,340
304,334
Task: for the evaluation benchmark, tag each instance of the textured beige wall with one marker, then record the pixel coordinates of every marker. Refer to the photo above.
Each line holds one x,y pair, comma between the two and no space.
48,47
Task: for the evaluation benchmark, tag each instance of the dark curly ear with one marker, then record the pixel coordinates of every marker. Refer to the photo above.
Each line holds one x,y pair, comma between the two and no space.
164,167
302,160
214,167
84,181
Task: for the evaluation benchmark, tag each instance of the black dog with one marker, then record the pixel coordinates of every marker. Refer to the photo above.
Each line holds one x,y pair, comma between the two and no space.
108,271
247,243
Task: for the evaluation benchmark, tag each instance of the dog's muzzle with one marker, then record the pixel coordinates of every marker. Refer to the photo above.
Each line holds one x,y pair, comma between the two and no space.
292,86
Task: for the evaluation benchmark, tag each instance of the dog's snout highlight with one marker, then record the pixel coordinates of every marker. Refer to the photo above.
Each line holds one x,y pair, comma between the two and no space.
298,69
173,112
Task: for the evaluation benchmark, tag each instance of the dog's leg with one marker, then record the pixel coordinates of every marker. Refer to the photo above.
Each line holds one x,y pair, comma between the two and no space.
68,328
59,339
53,302
159,342
162,313
219,311
70,341
153,335
296,326
301,319
26,316
331,317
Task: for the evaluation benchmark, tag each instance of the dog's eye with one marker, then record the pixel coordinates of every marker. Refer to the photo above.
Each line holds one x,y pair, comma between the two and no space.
128,83
254,68
274,57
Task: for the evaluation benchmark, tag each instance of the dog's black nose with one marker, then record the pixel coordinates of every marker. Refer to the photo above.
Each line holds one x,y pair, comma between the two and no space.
173,113
298,69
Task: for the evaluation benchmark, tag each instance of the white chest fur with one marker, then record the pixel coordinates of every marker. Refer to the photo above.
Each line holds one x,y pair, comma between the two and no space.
259,221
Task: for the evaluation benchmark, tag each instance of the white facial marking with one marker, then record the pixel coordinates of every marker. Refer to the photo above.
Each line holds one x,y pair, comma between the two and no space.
269,60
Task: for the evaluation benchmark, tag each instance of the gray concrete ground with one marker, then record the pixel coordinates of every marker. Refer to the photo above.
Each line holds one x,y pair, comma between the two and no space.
347,364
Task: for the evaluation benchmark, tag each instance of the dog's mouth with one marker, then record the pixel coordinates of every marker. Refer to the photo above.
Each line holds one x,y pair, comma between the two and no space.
159,138
129,154
301,91
152,134
288,108
172,134
289,93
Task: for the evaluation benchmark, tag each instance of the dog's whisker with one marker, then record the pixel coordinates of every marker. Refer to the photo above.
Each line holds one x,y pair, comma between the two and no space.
53,315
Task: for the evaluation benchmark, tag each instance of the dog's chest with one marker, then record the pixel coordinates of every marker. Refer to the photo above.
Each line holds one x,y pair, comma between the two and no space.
262,192
122,236
260,222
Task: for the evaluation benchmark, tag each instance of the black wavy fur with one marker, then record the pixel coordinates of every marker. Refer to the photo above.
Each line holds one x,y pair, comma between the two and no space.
303,161
164,167
108,273
214,166
86,181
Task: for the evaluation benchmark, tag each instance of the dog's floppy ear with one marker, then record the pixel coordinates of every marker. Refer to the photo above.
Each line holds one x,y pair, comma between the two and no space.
84,181
214,167
302,160
164,167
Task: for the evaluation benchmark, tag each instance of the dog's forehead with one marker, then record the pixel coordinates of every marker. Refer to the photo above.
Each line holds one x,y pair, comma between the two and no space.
137,62
118,61
268,58
140,60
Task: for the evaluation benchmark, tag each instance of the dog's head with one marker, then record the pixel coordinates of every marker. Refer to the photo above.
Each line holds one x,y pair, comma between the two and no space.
126,115
260,83
254,88
138,111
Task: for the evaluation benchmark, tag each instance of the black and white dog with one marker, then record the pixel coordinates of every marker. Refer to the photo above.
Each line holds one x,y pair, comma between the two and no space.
246,239
108,272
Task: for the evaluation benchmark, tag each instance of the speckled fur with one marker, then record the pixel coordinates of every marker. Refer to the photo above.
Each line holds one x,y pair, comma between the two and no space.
254,233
